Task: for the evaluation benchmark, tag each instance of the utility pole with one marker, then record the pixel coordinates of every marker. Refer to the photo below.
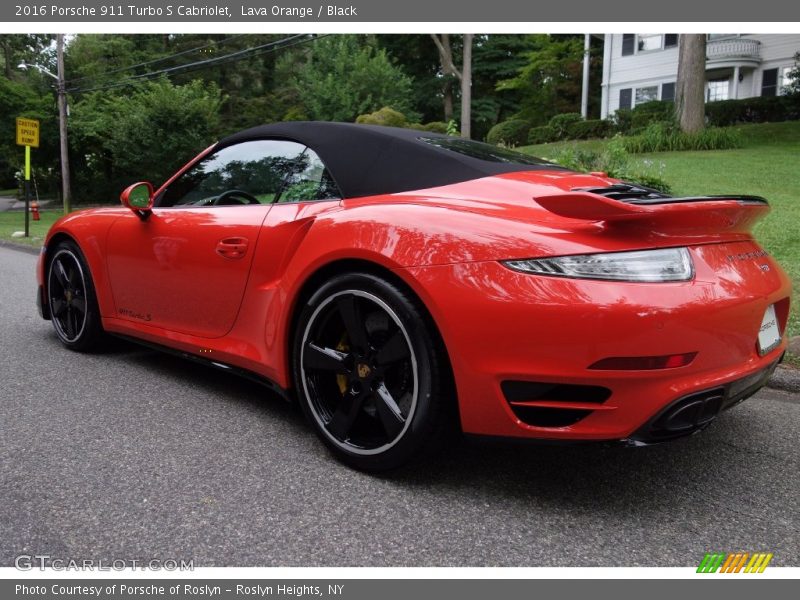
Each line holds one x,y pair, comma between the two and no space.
62,124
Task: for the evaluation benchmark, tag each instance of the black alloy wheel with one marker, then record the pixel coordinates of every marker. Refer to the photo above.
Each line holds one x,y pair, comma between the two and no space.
71,298
368,373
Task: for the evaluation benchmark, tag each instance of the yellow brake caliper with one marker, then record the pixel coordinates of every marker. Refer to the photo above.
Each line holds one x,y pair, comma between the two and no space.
342,379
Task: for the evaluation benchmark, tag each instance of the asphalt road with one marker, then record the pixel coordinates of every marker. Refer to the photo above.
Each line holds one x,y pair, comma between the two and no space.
137,455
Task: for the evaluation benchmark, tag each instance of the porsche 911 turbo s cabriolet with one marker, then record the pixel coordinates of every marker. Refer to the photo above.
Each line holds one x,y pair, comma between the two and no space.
399,284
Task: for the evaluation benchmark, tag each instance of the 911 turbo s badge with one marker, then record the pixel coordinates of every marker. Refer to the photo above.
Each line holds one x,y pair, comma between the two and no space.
132,314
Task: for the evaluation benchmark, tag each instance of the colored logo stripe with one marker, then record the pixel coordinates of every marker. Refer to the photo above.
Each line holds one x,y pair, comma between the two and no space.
734,562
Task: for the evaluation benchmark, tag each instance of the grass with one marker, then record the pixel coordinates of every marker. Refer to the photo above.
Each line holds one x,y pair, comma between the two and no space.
766,165
14,220
10,193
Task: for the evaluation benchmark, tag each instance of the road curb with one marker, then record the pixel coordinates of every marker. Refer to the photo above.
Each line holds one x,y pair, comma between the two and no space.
786,379
20,247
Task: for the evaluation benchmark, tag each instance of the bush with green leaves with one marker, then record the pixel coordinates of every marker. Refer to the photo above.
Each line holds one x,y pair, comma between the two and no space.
616,162
622,120
432,127
655,111
385,116
513,132
667,137
561,123
131,135
762,109
542,135
344,76
591,129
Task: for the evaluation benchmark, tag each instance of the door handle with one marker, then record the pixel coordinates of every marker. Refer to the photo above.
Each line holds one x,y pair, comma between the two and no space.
234,247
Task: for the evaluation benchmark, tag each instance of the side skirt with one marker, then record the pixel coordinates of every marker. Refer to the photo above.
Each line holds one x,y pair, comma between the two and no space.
238,371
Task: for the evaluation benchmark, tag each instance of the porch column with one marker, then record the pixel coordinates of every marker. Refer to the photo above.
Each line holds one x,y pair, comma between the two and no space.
585,89
736,82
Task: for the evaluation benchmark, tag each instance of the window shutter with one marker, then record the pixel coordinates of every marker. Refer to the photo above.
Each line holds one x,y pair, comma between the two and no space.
628,40
668,91
670,40
769,82
625,97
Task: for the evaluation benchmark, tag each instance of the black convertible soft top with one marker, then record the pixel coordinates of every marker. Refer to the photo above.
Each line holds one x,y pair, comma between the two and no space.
368,160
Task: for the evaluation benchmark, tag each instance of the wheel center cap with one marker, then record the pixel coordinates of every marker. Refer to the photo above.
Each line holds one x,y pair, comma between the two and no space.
69,296
363,370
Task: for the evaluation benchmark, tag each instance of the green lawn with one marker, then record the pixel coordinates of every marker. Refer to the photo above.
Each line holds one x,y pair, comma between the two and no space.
11,221
768,165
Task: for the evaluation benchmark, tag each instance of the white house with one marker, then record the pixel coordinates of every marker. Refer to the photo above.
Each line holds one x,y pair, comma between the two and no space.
638,67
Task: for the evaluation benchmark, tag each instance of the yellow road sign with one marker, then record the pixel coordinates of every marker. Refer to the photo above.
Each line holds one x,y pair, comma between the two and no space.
27,132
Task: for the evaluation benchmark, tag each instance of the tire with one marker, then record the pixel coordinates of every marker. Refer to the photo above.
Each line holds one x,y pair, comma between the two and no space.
72,300
369,375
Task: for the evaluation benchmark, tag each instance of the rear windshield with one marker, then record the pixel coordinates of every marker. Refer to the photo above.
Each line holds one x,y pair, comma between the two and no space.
486,152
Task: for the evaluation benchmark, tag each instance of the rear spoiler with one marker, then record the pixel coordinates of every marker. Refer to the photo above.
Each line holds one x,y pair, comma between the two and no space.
706,213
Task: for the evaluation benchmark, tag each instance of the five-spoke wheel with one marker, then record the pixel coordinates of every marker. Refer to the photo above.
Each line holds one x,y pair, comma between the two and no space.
367,371
72,303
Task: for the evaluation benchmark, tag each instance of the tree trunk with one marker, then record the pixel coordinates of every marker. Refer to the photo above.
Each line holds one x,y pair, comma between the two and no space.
466,88
449,71
691,85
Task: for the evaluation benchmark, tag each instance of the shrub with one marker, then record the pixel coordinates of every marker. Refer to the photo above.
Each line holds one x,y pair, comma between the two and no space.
617,163
655,111
385,116
762,109
513,132
433,127
560,123
622,120
666,137
542,135
585,130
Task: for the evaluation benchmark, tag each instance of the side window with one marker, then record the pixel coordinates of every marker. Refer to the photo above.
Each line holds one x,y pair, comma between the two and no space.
247,173
310,180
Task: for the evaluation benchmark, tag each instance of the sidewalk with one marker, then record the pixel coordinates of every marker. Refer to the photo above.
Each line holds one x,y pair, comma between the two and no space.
8,203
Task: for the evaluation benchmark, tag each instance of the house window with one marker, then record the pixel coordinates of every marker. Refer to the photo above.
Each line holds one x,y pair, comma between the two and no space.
786,79
769,82
646,94
668,91
717,89
625,98
670,40
628,43
649,41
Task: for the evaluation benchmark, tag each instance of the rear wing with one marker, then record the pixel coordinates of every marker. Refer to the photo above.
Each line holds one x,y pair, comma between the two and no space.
661,213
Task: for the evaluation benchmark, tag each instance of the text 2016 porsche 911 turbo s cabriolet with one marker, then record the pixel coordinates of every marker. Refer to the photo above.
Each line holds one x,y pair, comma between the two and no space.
399,283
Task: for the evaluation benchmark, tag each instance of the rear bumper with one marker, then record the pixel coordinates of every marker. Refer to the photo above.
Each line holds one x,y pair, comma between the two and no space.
695,412
504,329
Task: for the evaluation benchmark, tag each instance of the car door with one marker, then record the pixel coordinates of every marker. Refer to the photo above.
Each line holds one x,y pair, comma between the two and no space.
185,268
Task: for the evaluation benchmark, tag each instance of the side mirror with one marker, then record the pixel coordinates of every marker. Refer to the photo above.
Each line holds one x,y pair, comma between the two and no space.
138,198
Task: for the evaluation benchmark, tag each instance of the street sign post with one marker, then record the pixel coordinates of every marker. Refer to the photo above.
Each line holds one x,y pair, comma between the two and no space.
28,136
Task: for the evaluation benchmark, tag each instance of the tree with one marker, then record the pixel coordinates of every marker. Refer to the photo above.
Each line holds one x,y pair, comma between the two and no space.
146,131
549,83
341,77
691,83
450,73
466,87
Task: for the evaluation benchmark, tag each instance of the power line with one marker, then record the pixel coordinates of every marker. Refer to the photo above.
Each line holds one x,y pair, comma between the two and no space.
157,60
228,58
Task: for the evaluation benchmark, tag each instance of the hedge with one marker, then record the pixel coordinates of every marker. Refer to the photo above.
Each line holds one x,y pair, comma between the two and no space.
513,132
542,135
591,129
561,123
762,109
